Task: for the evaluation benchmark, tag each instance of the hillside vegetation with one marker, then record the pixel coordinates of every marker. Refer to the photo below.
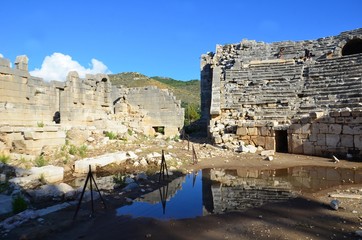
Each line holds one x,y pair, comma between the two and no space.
186,91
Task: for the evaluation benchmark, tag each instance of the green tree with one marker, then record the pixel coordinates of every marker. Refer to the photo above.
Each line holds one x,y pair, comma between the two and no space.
192,113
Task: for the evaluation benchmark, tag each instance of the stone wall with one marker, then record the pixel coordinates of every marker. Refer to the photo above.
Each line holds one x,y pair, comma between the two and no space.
35,113
269,85
338,133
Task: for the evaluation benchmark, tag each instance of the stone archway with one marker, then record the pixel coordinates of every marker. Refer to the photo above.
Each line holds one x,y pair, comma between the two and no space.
353,46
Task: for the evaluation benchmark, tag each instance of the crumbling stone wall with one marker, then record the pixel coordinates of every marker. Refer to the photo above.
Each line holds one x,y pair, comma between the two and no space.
338,133
35,113
272,84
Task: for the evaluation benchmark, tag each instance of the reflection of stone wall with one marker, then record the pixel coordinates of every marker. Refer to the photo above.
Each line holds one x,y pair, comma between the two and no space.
242,188
271,84
170,190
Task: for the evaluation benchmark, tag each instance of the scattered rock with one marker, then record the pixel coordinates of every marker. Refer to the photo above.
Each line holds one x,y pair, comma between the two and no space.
335,159
334,204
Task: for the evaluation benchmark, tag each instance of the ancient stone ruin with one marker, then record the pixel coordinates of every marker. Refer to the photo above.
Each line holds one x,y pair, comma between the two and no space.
35,113
300,97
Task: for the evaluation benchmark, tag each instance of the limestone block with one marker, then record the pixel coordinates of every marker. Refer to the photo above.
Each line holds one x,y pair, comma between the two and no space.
357,139
296,144
43,135
264,131
308,148
323,128
335,128
335,114
339,119
321,139
357,113
332,140
241,131
82,166
346,113
347,140
313,137
357,130
305,129
50,173
253,131
321,150
260,141
346,129
269,143
315,115
295,128
217,139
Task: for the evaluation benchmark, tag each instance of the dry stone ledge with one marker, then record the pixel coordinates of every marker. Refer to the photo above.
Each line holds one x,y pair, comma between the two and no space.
50,174
82,166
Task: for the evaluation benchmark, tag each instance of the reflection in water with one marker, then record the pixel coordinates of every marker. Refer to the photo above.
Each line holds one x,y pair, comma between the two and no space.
181,198
220,190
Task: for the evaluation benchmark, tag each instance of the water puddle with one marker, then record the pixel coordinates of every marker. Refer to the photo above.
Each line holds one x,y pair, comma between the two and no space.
181,198
218,191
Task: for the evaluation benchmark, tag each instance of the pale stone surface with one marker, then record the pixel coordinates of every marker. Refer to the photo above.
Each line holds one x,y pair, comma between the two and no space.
82,166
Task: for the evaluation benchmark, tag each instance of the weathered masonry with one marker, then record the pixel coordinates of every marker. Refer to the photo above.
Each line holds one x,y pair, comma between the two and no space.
35,113
299,97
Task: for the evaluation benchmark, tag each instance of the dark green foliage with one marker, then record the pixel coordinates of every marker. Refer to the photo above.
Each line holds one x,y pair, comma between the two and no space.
19,204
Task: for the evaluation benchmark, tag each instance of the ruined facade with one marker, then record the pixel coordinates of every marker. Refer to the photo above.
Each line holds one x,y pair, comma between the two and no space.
300,97
35,113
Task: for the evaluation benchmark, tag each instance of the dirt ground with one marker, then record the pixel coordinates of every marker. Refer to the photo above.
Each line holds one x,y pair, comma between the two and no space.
308,216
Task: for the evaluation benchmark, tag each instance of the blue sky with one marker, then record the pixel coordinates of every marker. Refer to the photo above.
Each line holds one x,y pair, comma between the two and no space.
157,37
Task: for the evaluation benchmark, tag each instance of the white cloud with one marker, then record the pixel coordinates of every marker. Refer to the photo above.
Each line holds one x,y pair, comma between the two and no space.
1,55
57,66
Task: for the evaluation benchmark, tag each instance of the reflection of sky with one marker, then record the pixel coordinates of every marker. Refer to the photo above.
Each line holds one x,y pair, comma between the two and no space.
186,203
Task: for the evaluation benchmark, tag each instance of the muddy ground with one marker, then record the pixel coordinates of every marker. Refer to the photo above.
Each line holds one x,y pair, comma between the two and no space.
308,216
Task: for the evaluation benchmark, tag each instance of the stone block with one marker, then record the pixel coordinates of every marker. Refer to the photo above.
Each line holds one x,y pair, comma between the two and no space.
357,139
339,119
260,141
296,144
335,114
346,129
308,148
82,166
305,129
347,140
50,173
295,128
323,128
332,140
253,131
321,139
357,130
241,131
346,113
269,143
335,128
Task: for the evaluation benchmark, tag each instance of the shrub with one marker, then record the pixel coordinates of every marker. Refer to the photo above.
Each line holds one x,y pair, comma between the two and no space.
4,159
119,179
4,186
40,161
19,204
111,135
73,150
82,151
40,124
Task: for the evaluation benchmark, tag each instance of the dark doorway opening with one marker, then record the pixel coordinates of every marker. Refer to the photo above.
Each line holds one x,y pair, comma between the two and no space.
352,47
281,141
160,129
